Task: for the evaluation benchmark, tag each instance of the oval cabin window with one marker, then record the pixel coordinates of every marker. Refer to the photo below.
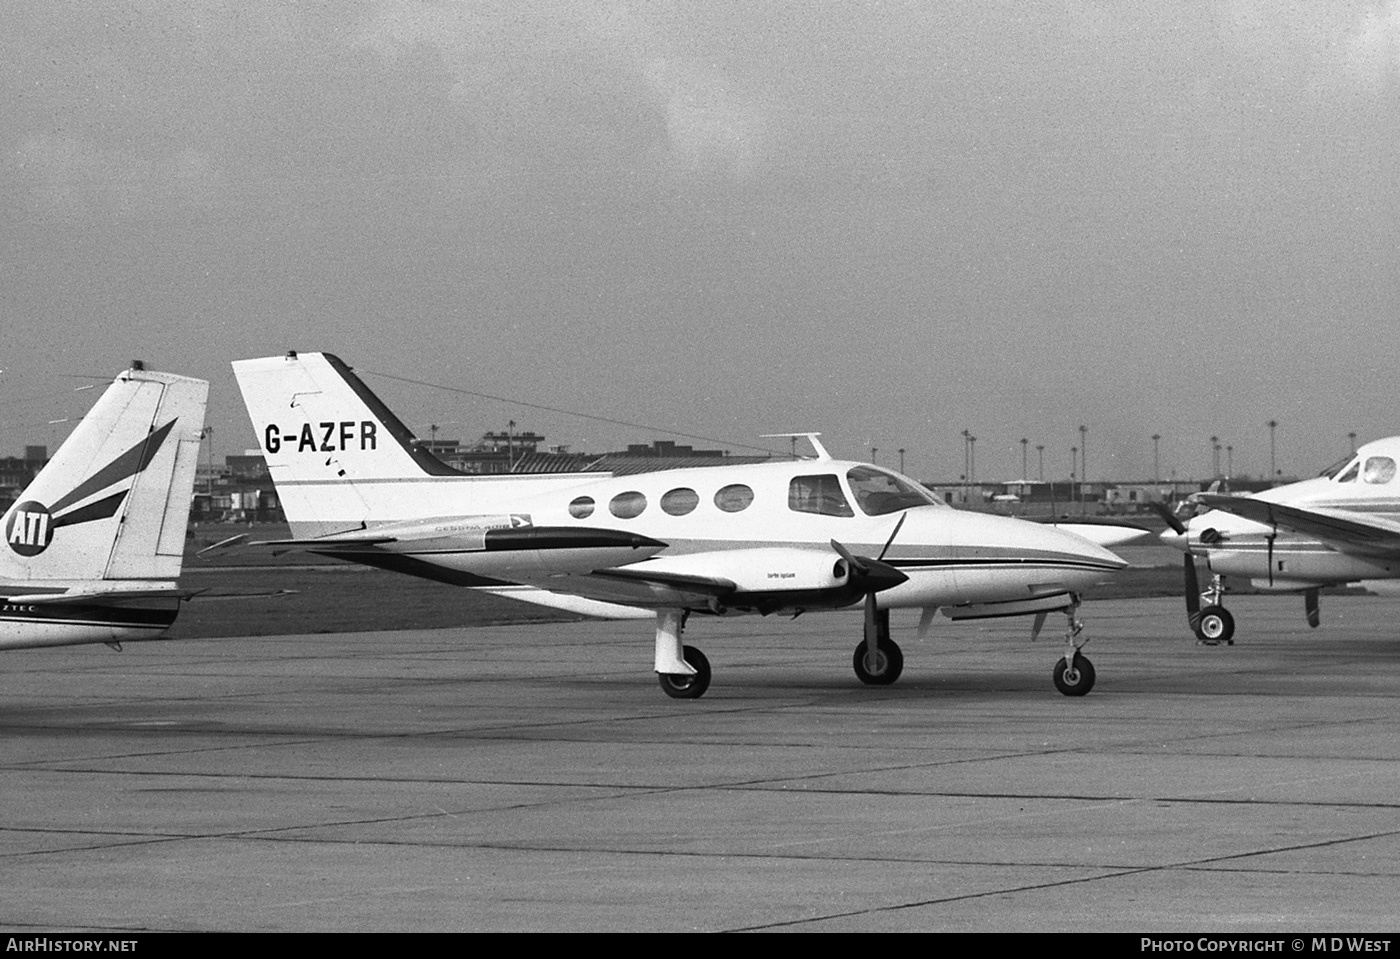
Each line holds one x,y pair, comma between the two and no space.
581,508
627,505
734,498
678,502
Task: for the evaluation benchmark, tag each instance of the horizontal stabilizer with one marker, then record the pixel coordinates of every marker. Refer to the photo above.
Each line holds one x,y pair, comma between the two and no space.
110,596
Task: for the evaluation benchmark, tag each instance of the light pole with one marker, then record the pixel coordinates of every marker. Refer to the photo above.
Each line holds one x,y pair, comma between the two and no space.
1273,466
1040,449
1024,442
1229,461
1352,436
1084,454
208,434
1215,457
901,459
1156,462
967,469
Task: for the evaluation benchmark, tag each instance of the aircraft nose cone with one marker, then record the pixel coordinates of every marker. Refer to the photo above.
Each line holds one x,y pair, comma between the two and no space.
881,576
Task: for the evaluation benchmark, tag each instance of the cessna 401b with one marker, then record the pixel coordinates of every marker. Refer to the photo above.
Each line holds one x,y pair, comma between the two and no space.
790,536
94,544
1340,527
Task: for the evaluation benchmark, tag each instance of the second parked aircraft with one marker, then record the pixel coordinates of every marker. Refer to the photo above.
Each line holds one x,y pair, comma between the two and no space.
778,537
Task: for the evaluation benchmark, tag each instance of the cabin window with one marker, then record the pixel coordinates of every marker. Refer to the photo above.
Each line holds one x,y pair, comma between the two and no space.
627,505
1350,475
1379,470
581,508
734,498
878,492
820,494
678,502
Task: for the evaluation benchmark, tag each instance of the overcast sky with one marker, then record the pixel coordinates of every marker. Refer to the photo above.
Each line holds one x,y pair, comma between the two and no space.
889,222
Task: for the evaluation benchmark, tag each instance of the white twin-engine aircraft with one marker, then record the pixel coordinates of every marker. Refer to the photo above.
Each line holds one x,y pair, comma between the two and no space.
94,545
1340,527
788,536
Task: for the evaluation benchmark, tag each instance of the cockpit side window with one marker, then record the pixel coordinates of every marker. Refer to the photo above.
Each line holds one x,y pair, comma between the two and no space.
878,492
1379,470
1350,475
818,494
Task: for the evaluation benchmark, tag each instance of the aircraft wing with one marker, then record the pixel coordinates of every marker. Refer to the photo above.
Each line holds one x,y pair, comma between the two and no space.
566,602
1344,529
1105,532
685,582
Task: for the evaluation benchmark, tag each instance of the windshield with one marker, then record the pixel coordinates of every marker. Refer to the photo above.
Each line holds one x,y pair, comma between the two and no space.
878,492
1331,471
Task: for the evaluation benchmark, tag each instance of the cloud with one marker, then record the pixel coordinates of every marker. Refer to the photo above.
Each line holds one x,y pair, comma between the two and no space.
71,176
710,128
1373,47
1331,46
522,66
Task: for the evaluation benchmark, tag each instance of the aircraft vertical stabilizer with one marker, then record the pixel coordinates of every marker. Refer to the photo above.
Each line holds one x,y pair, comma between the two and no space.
113,502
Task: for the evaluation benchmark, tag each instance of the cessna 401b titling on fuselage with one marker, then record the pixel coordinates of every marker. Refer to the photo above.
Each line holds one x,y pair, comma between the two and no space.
779,537
1340,527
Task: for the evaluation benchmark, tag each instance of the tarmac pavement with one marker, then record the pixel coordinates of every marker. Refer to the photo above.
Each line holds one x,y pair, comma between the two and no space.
536,778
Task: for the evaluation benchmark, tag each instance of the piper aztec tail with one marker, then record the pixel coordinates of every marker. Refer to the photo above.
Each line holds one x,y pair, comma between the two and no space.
779,537
1340,527
94,545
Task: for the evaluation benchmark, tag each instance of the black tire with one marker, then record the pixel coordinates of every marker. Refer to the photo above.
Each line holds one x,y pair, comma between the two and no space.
1076,681
679,686
889,663
1217,626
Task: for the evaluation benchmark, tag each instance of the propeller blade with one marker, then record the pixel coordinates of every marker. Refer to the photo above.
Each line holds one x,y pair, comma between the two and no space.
854,563
1170,518
1310,605
890,541
926,620
1193,593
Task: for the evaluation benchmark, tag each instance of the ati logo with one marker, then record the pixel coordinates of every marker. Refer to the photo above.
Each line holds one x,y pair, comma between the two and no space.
30,529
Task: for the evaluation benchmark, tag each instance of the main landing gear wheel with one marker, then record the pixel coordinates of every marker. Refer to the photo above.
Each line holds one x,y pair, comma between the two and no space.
886,666
1217,626
682,686
1075,680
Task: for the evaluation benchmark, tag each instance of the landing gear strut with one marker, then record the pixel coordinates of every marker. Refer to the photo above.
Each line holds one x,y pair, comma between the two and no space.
1074,674
683,671
881,665
1214,624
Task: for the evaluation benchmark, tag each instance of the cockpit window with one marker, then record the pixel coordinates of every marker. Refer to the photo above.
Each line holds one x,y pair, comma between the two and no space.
1350,475
1379,470
878,492
818,494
